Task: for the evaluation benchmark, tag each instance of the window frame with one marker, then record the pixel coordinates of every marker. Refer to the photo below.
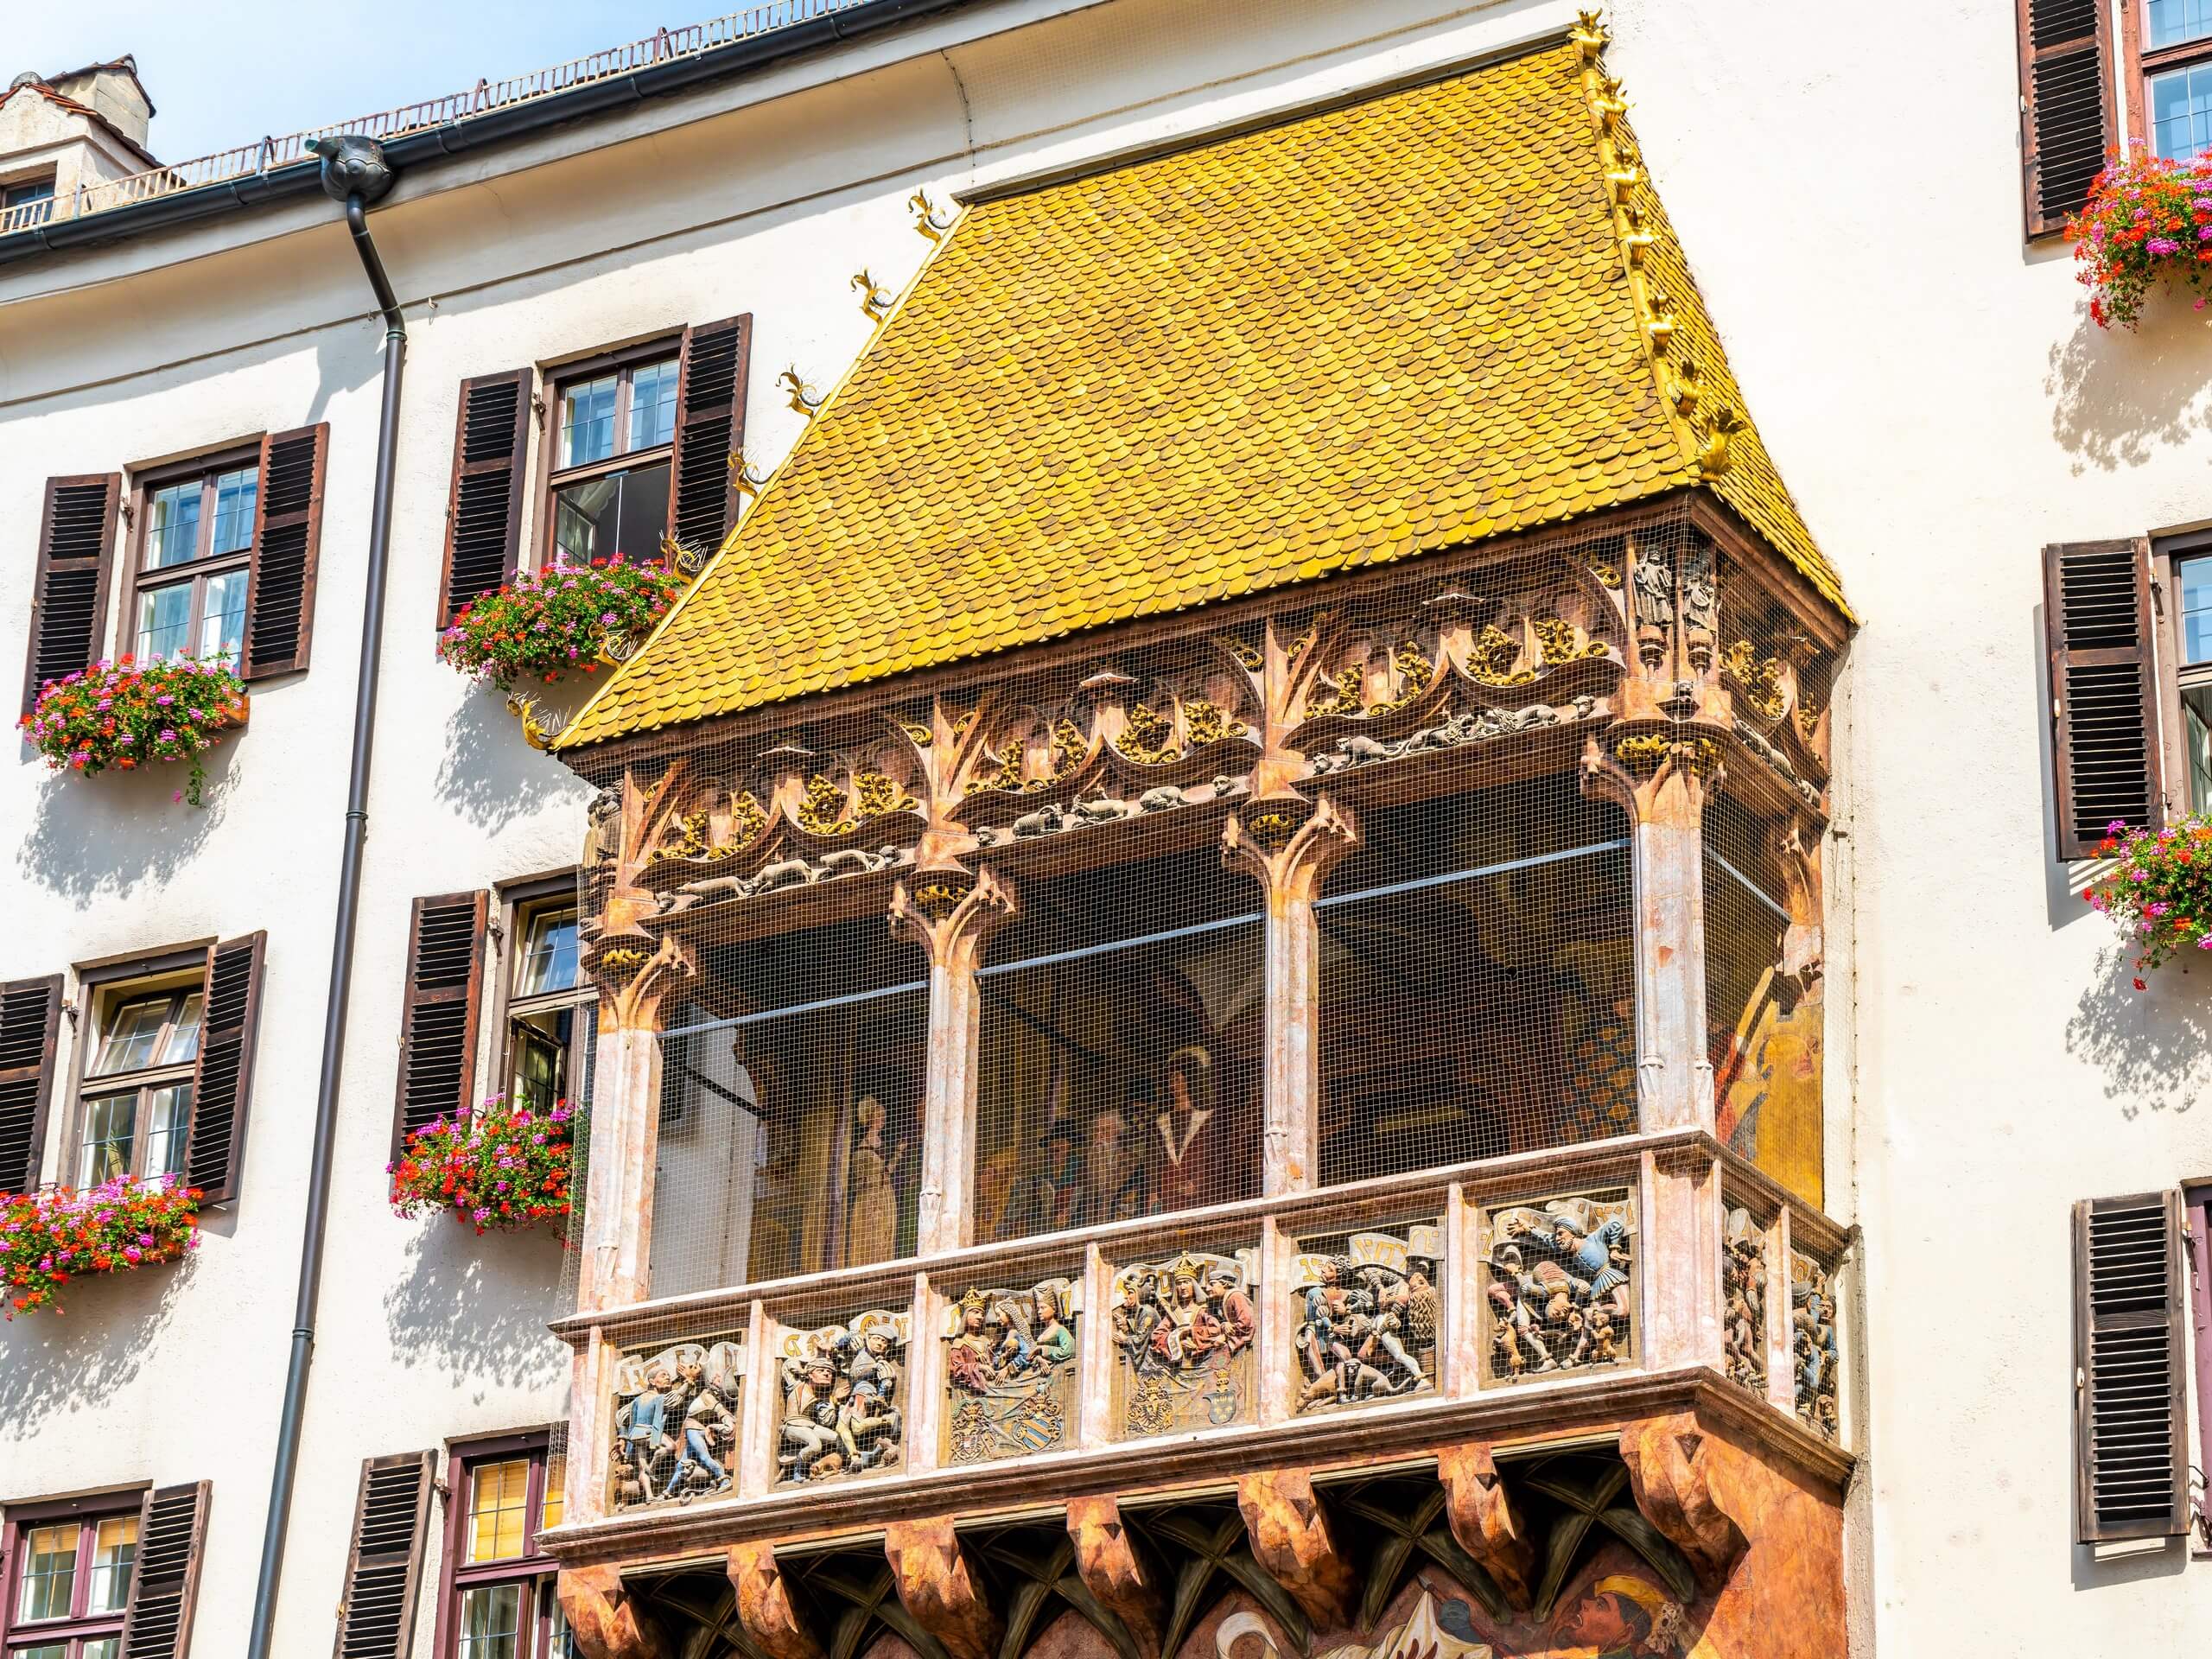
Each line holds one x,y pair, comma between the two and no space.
78,1626
520,902
2196,1242
12,199
2147,62
106,988
533,1568
207,466
623,361
2175,674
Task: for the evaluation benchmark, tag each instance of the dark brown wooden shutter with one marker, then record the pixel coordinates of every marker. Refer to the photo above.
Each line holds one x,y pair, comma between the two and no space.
76,543
484,518
287,532
223,1075
709,427
2104,690
437,1032
2065,105
377,1618
30,1010
2130,1427
165,1572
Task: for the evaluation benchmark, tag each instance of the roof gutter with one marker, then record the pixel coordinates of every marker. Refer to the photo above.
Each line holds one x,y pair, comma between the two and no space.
474,132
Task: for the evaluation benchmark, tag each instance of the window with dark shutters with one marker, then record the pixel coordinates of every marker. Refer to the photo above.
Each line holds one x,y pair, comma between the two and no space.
2066,122
76,543
377,1618
2131,1461
484,518
2104,690
29,1011
437,1035
288,533
165,1572
709,429
224,1072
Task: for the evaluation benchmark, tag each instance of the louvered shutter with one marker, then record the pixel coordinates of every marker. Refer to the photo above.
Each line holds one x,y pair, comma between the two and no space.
709,427
2130,1429
223,1074
437,1032
287,533
2104,690
484,518
377,1618
76,543
2065,105
30,1010
165,1572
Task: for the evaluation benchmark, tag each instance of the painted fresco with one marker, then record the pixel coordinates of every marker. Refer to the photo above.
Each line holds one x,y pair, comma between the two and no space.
1010,1372
844,1404
1370,1304
1562,1294
1183,1332
676,1415
1813,1348
1768,1084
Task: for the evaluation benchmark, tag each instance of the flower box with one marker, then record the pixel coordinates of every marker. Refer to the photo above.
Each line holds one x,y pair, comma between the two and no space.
545,623
128,715
2159,890
2147,221
53,1236
500,1168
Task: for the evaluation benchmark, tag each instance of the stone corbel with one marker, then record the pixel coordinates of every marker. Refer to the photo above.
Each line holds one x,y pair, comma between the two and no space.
605,1620
1674,1467
1107,1562
1487,1521
937,1586
1290,1536
764,1605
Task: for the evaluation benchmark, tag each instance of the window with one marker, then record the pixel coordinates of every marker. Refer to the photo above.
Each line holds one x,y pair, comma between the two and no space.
498,1600
138,1095
2176,56
72,1578
613,440
25,203
549,1000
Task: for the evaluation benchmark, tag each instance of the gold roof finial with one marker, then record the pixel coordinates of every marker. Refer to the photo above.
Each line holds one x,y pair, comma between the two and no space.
1590,34
1690,388
1714,455
930,220
802,398
875,299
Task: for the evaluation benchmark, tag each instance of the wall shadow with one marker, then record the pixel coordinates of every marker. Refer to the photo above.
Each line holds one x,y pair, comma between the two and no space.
92,837
2153,1047
2118,397
487,772
80,1358
476,1308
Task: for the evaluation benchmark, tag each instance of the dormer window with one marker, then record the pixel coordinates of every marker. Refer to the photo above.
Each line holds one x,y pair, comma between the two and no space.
26,203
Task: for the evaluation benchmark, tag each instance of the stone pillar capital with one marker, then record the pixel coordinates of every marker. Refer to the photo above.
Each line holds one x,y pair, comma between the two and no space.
1290,843
951,913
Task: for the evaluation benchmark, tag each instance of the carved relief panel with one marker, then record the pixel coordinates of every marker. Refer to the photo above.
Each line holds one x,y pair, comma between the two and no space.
843,1397
1010,1371
1369,1307
1743,1299
1561,1295
1183,1334
1813,1349
675,1417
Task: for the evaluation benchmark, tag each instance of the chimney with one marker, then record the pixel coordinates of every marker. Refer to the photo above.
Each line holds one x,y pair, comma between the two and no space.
113,91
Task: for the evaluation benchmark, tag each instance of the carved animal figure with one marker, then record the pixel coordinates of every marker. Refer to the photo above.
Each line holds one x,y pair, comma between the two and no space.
855,860
1102,810
783,873
1161,798
1045,821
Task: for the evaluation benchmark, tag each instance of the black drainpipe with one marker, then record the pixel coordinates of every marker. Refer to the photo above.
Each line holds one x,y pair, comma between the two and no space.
355,172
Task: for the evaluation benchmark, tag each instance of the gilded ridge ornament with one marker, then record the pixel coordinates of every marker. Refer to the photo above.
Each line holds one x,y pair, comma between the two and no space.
802,398
930,220
1590,36
876,300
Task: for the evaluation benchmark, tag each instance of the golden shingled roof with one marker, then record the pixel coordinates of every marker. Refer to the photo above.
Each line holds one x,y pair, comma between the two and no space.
1373,332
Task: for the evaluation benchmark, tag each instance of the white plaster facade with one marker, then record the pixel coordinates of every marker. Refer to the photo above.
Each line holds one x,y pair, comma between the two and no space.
1933,392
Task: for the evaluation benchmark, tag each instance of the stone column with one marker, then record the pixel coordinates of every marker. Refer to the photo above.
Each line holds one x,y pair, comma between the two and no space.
951,913
1290,844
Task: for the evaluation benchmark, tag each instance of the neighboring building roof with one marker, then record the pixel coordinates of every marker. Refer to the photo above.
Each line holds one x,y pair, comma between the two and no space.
1369,333
63,101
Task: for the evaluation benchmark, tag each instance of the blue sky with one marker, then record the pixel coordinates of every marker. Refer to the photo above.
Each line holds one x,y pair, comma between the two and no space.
224,72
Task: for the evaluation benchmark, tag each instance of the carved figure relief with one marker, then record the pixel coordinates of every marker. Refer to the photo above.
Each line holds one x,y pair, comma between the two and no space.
1813,1347
1183,1331
1370,1306
1010,1372
844,1400
1562,1294
1743,1300
676,1414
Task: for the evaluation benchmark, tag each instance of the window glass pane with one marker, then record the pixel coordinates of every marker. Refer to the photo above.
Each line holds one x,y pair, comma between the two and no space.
587,421
115,1540
183,1042
491,1619
222,615
173,532
2194,577
17,195
557,1643
652,404
132,1036
549,960
624,512
539,1044
109,1124
2196,720
164,620
49,1581
106,1647
555,1506
499,1494
168,1117
2181,112
235,495
2173,22
52,1650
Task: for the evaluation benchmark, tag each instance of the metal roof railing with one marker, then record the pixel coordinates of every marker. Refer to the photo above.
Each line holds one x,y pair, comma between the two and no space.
249,161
